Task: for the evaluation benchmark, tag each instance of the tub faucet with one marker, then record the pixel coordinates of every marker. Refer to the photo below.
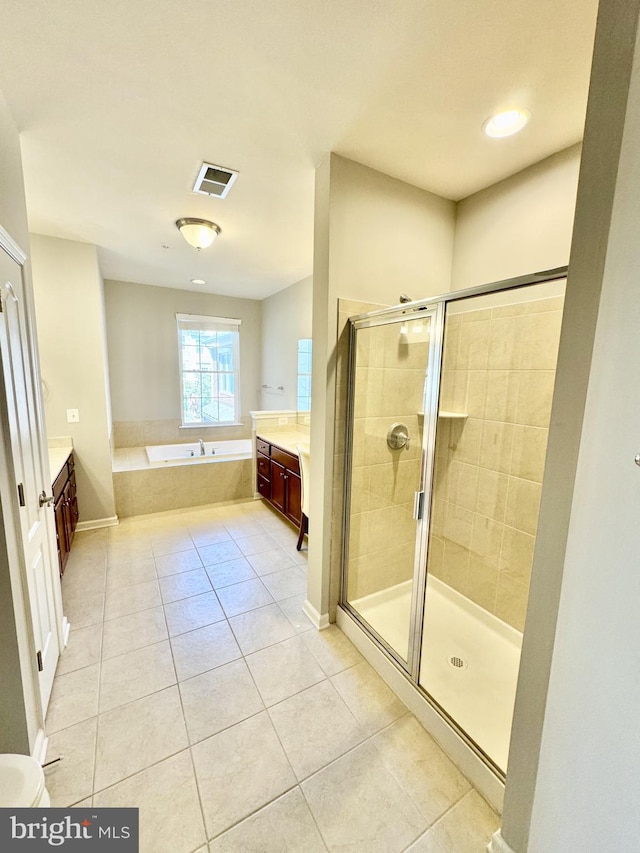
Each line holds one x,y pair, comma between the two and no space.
202,450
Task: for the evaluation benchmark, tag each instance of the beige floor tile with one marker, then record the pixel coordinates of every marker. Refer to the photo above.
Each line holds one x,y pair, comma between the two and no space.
219,552
267,562
135,736
83,649
203,649
245,596
315,727
256,543
332,649
171,542
131,599
175,587
208,533
125,551
286,584
239,771
167,796
74,698
359,806
191,613
128,574
133,632
284,826
173,564
292,609
70,780
217,699
261,628
284,669
431,779
85,611
466,828
233,571
240,527
370,700
135,674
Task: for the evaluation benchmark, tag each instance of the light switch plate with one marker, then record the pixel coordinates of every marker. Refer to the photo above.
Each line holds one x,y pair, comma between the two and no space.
73,416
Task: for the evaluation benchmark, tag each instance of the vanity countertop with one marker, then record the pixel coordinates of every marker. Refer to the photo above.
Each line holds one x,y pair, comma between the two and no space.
57,458
286,439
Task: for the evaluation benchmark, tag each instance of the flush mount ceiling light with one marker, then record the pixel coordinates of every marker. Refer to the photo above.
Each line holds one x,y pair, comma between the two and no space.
198,281
198,233
506,123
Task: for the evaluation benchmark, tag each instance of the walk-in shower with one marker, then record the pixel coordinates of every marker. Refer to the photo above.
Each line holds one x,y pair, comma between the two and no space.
448,413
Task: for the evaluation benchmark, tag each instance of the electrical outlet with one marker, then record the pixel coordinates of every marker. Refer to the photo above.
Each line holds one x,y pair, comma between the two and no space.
283,420
73,416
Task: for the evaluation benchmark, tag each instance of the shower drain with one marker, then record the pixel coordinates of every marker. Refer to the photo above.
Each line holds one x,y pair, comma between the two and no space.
458,663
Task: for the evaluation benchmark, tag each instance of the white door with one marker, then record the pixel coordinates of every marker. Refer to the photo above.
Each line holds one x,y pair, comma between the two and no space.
25,432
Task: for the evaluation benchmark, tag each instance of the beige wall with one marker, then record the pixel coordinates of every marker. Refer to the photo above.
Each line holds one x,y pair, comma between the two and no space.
518,226
286,317
70,321
143,360
498,369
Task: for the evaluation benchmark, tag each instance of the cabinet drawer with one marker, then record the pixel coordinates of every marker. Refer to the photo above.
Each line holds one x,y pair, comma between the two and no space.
263,465
262,446
287,459
264,487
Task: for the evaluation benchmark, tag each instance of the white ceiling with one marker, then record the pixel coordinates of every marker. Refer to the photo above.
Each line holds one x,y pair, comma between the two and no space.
118,102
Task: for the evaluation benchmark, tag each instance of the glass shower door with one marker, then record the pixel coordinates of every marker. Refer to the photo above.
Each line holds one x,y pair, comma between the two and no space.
386,463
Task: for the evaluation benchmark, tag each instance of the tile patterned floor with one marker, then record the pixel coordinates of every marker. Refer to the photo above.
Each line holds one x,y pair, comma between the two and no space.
194,688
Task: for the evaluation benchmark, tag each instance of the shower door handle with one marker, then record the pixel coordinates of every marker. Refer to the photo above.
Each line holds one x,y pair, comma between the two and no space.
418,505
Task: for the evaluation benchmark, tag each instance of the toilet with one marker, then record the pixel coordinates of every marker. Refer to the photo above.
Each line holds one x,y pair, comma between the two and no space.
22,783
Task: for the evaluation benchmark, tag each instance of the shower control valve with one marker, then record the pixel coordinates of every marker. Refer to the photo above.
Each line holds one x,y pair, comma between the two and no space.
398,436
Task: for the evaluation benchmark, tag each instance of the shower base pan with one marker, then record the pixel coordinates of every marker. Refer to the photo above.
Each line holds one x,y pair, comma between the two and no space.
469,663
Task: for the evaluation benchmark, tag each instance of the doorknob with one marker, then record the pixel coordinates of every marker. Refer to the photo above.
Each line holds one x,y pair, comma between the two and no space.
43,500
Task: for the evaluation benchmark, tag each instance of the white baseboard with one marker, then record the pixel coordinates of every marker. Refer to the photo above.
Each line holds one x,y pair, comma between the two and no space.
66,628
318,621
95,523
498,844
40,746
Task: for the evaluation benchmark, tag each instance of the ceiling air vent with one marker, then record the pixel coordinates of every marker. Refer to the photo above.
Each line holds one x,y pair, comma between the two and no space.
214,180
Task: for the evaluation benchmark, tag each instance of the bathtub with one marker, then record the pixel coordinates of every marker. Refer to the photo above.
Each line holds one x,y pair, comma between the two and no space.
215,451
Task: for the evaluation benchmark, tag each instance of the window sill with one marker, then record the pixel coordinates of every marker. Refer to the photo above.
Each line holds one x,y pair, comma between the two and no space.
211,426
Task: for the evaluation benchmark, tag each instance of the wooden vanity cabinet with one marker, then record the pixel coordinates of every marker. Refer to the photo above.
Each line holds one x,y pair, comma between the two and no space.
65,508
278,479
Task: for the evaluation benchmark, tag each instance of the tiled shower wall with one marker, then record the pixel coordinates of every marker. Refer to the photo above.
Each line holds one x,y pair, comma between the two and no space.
498,369
389,388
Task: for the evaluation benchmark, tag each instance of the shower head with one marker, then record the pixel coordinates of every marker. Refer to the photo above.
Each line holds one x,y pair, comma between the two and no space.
404,298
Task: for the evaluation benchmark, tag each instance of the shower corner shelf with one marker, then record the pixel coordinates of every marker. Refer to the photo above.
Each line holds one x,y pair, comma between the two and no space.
454,416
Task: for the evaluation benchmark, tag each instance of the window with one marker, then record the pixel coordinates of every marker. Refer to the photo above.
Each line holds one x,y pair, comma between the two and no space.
304,375
209,369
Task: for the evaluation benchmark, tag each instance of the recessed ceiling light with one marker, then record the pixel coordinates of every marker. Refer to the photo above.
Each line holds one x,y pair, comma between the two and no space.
506,123
198,281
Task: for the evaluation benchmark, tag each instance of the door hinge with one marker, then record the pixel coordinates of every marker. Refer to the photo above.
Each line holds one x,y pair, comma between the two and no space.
39,657
21,494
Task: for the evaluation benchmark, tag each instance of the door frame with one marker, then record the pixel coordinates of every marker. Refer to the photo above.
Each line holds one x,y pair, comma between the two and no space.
18,571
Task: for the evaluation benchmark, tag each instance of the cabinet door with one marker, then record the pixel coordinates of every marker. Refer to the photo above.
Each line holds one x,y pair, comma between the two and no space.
278,486
294,497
